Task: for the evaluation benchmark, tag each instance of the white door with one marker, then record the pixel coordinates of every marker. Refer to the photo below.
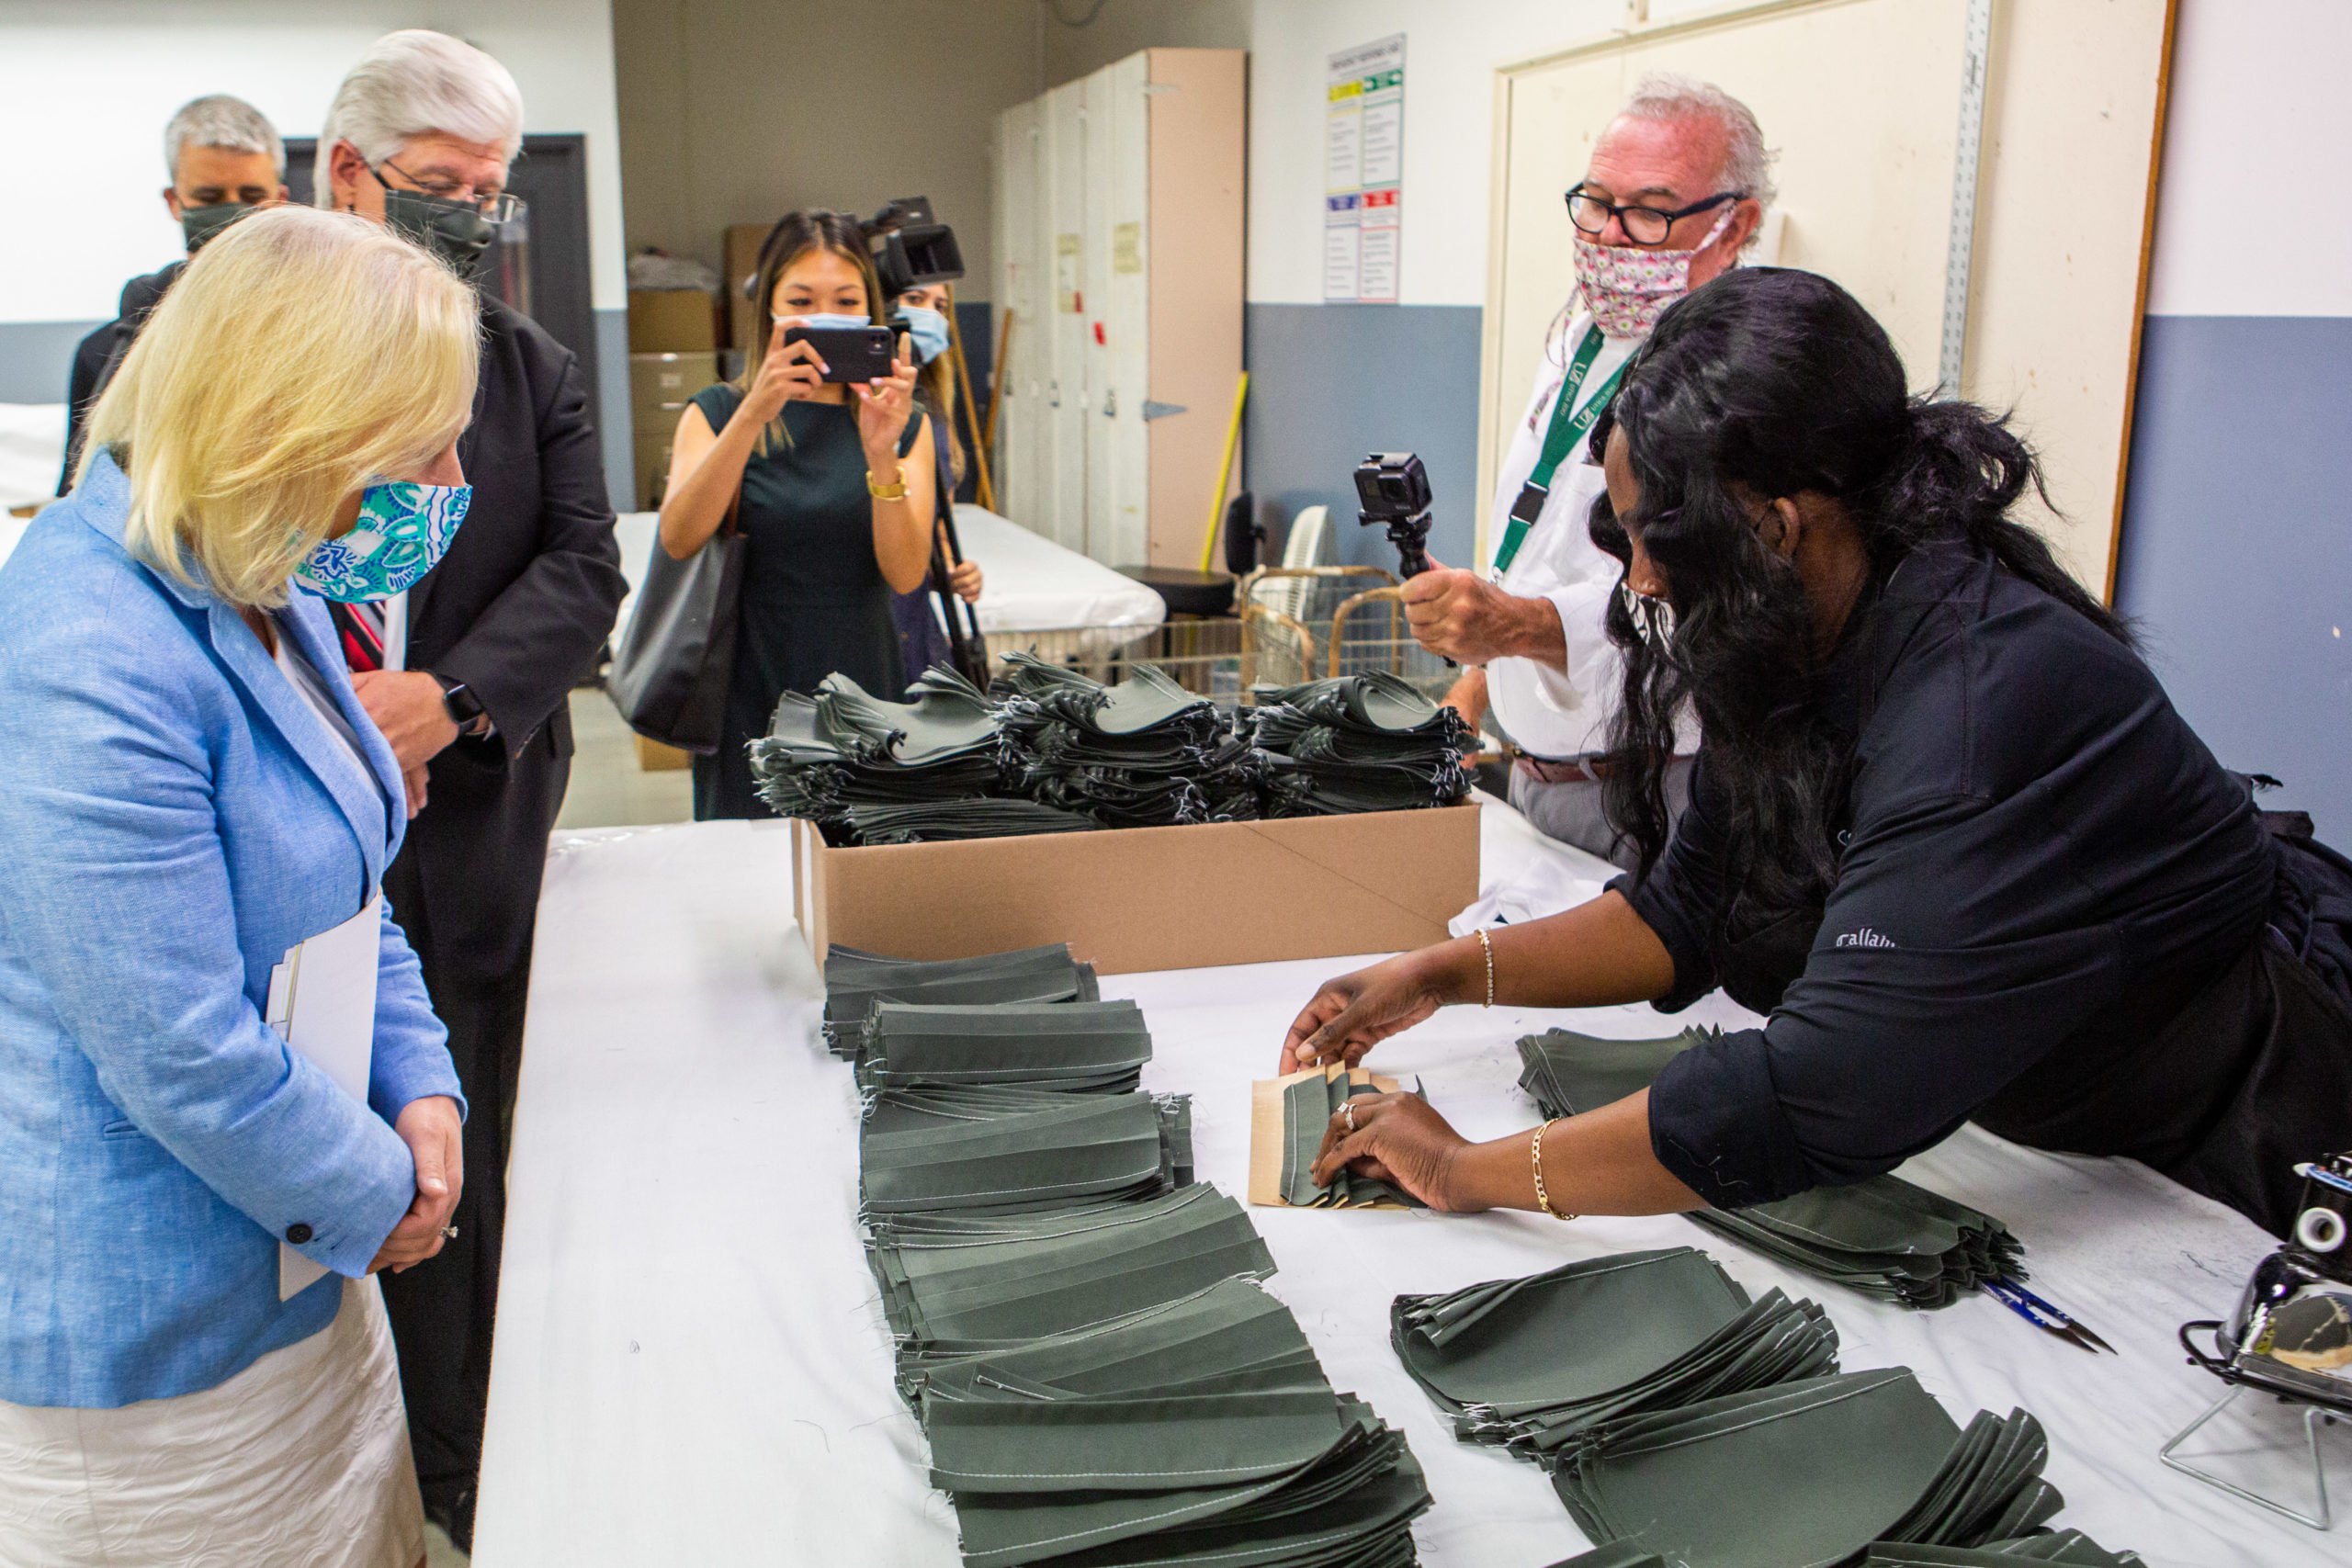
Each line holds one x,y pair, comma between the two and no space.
1126,315
1065,452
1020,288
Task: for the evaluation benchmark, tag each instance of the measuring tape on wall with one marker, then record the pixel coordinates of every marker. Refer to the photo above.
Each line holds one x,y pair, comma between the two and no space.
1975,59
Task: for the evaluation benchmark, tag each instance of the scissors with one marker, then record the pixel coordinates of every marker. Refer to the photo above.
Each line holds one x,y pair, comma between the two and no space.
2044,1316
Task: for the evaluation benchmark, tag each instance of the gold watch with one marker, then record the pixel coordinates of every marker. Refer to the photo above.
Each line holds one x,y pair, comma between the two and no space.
894,491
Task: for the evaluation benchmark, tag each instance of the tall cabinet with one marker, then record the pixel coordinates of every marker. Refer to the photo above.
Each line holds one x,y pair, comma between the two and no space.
1118,231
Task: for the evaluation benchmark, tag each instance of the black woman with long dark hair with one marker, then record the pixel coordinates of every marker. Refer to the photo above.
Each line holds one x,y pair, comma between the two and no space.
1946,832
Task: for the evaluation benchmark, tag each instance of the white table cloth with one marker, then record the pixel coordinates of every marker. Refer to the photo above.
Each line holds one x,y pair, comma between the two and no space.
691,1366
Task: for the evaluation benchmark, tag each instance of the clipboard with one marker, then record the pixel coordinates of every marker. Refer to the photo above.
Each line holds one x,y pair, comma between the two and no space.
322,1004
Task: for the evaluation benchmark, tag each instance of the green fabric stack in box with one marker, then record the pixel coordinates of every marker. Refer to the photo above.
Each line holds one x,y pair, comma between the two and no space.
828,757
1806,1472
1356,743
855,980
1882,1236
1079,1328
1531,1364
1144,753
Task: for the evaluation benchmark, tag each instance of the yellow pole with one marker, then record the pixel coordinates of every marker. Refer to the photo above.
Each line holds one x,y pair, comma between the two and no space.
1225,472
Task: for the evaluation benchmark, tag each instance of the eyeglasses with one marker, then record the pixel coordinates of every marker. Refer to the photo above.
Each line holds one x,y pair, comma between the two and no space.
499,207
1643,225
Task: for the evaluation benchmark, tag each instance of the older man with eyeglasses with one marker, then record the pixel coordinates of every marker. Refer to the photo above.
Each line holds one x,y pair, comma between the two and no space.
467,674
1677,187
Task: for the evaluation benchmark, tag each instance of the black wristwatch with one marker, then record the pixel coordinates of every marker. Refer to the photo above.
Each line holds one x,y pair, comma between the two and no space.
464,707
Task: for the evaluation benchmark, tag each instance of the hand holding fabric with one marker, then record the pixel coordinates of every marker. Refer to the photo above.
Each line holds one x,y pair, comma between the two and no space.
1398,1139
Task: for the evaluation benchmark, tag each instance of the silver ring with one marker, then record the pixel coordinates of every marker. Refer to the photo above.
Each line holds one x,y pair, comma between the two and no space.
1348,1110
448,1233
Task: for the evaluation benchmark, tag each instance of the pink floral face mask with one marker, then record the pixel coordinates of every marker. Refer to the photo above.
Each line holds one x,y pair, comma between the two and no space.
1628,287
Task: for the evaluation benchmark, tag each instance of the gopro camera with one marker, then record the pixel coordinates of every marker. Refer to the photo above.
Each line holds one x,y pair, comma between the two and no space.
912,247
1394,490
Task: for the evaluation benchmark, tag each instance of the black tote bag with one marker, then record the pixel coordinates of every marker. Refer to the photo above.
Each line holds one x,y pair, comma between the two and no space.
670,672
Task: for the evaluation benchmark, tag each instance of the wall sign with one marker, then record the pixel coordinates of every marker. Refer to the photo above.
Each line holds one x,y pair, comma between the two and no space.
1364,167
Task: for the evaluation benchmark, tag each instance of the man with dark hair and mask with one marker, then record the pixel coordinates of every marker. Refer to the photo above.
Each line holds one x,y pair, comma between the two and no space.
225,160
1946,830
1677,187
469,674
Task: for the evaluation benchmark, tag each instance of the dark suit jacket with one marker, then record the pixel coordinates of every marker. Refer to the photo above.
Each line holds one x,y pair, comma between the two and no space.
517,610
96,355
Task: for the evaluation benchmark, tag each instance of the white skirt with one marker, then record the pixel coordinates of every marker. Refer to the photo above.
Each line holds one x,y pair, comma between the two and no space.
300,1460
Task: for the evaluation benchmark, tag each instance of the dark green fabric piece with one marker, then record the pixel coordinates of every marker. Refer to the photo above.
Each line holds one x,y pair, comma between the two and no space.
1308,1106
824,757
1805,1473
1086,1146
1079,1046
2062,1546
1143,753
1883,1236
1368,742
855,980
1535,1363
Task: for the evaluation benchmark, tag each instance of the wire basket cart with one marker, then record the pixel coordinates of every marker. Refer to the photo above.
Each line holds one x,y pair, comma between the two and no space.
1289,624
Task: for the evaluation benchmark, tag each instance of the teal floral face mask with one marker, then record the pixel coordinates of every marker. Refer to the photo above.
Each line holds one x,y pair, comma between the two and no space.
403,529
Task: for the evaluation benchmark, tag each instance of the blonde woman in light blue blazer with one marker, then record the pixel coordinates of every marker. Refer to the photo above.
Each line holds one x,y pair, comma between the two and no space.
188,788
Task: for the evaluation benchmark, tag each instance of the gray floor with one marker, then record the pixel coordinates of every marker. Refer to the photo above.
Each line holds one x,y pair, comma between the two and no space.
608,789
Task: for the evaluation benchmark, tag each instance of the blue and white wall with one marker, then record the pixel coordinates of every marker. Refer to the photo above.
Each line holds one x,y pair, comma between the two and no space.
101,80
2236,552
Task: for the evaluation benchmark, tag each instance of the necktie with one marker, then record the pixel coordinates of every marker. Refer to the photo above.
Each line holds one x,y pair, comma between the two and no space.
361,628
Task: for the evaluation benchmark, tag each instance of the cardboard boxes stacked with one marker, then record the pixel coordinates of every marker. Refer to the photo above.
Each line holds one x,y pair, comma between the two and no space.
672,355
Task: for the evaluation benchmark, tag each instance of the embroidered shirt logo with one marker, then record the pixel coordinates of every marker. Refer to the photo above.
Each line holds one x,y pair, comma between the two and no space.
1864,938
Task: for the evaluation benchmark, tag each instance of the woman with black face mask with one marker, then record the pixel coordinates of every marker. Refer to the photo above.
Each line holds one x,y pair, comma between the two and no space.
1946,830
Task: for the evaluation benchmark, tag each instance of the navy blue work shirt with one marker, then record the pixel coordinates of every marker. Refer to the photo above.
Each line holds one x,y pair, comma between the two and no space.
2040,863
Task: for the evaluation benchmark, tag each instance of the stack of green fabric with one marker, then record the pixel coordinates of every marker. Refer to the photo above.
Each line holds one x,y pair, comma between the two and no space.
1806,1472
1882,1236
1082,1047
1144,753
1013,1149
2041,1546
855,980
828,757
1356,743
1309,1104
1077,1325
1532,1364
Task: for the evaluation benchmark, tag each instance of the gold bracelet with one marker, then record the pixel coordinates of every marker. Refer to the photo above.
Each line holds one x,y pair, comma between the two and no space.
894,491
1544,1199
1490,946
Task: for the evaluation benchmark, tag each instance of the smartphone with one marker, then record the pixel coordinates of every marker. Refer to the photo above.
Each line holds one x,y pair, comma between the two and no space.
850,354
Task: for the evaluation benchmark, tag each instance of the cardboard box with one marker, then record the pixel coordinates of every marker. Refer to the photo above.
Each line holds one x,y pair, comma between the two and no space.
652,757
742,256
671,321
1150,897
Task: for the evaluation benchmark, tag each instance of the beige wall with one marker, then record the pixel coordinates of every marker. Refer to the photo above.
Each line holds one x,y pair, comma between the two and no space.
1123,27
737,111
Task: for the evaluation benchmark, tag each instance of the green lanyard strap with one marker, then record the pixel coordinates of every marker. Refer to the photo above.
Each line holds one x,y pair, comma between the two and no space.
1569,425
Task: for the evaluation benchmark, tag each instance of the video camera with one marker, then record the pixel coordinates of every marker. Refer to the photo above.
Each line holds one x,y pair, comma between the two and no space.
912,247
1394,488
